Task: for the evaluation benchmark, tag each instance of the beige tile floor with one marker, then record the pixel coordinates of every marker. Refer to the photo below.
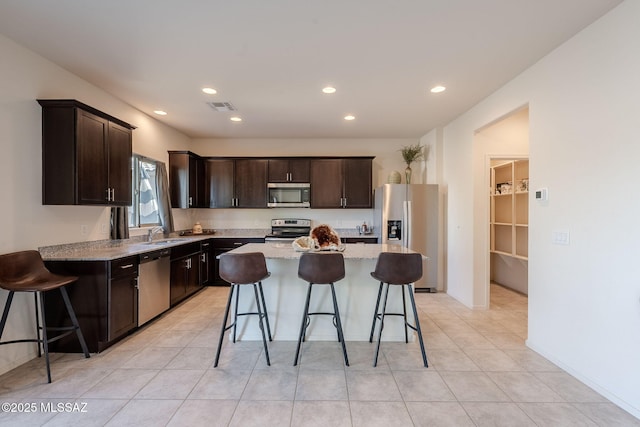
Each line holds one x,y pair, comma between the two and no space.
480,374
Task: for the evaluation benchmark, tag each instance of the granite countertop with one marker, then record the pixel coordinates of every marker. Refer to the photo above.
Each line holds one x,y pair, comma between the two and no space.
107,250
276,250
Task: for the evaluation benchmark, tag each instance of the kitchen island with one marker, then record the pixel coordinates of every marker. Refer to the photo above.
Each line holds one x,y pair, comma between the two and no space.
285,296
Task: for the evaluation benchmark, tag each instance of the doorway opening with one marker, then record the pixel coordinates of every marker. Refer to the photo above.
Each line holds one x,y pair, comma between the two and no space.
505,144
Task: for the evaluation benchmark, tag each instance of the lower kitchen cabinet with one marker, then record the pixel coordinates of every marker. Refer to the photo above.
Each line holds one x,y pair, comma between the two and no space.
185,271
222,245
105,300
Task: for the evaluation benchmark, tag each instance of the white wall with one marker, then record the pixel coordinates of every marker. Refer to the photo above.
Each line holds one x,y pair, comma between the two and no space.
27,224
584,298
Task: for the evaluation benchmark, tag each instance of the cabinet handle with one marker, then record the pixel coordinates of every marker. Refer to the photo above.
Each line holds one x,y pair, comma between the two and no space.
124,267
345,203
137,284
190,201
108,194
203,257
113,194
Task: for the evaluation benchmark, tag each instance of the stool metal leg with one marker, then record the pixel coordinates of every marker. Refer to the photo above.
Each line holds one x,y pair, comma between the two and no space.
339,325
303,325
224,325
384,308
45,342
235,313
375,313
37,309
261,319
264,306
417,321
5,313
74,321
404,316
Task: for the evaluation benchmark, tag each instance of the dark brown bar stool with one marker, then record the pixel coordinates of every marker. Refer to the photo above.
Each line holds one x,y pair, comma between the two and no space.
25,272
403,270
244,269
321,269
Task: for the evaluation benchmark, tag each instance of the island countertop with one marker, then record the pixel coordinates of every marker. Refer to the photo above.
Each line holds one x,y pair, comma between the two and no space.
354,251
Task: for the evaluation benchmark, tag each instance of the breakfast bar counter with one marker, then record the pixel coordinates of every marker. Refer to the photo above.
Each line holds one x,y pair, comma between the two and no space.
285,296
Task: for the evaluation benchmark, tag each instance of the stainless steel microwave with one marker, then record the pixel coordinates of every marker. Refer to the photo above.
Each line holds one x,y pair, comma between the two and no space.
288,195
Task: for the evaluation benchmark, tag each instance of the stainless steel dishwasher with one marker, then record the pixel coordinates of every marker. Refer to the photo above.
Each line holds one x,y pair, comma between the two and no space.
153,284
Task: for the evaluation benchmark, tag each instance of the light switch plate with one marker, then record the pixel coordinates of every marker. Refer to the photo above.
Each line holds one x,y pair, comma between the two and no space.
560,237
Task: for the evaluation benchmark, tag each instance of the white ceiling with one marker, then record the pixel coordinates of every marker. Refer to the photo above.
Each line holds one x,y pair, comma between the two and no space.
271,58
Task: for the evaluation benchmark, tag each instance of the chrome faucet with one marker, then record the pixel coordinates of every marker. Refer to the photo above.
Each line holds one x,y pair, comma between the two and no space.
154,231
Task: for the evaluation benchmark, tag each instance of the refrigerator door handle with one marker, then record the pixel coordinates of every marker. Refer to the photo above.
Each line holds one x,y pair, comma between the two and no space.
406,217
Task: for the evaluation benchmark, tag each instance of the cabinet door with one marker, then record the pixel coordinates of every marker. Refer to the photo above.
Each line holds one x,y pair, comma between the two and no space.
219,183
357,183
299,170
206,267
193,274
178,280
119,151
251,183
123,306
186,180
92,163
326,183
278,170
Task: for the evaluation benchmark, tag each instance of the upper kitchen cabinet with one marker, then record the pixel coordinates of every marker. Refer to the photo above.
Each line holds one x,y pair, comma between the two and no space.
236,183
289,170
186,180
218,182
341,183
86,155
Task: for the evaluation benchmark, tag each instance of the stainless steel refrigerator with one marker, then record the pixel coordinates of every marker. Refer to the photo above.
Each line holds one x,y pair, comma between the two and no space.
407,215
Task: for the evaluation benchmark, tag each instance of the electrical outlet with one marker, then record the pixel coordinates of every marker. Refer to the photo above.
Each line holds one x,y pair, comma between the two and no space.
84,230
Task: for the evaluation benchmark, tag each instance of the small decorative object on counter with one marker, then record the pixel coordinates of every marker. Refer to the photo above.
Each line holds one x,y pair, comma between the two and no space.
394,178
364,228
197,228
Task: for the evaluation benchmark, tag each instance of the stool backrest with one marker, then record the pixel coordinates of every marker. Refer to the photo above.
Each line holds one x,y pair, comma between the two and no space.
21,267
321,268
398,268
243,269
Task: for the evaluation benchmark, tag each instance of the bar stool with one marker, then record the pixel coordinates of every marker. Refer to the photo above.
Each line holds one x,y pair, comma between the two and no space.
25,272
321,269
397,269
244,269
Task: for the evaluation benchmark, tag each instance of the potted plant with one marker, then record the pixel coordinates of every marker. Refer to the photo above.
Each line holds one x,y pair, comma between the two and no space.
410,154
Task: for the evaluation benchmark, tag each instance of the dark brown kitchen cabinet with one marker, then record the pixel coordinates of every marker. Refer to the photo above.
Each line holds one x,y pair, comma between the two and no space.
251,183
341,183
236,183
289,170
219,177
86,155
185,271
207,269
105,300
186,180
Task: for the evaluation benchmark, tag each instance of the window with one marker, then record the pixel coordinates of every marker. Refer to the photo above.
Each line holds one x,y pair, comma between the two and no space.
144,211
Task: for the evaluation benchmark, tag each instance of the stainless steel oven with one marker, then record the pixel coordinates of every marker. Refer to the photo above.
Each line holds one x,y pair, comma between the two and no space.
288,195
288,229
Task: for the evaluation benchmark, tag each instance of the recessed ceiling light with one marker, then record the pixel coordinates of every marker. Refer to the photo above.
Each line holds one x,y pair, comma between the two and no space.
236,119
209,90
160,112
349,117
438,89
329,89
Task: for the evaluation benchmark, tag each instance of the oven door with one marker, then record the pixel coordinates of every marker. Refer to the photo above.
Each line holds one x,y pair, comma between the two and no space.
289,195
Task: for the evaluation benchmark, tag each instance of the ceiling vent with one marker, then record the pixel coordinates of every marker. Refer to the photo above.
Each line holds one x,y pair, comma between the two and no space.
222,106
